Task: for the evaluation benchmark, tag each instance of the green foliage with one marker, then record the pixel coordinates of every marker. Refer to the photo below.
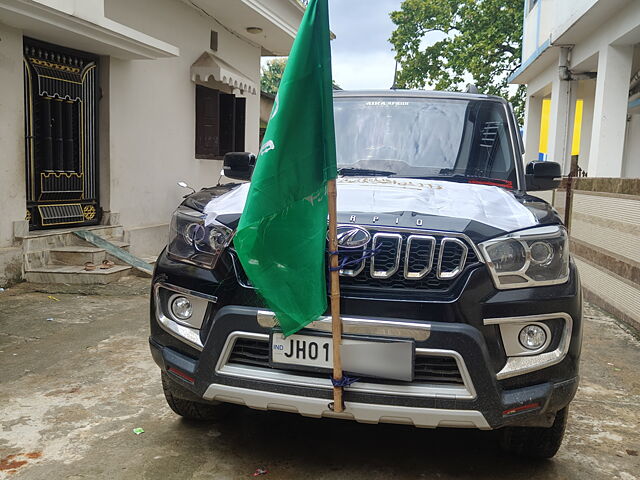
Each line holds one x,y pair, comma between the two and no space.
272,74
483,42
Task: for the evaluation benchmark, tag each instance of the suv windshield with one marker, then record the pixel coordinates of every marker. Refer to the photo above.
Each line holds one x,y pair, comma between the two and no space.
424,137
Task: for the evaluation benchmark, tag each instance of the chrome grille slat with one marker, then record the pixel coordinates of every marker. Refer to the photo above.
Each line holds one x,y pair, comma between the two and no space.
442,274
429,255
390,259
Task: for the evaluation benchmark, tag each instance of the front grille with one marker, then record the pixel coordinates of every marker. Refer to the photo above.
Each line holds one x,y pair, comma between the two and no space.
427,368
434,262
250,352
434,369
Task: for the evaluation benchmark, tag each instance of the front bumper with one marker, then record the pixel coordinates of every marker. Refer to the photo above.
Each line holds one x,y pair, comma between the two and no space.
479,403
484,399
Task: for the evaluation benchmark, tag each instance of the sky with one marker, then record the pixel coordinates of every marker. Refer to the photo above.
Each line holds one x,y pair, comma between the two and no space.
361,53
362,56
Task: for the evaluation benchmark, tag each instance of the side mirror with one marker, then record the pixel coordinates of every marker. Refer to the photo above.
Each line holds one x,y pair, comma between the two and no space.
543,175
239,165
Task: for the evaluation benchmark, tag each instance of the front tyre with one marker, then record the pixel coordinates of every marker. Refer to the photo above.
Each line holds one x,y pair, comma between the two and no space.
175,395
535,442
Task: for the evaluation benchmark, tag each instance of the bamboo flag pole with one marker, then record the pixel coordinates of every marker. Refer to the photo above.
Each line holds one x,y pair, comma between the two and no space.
336,321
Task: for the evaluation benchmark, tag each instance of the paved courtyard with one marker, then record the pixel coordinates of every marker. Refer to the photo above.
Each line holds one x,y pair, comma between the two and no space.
76,378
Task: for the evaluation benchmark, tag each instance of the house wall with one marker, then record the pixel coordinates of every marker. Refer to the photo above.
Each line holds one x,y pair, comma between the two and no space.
150,129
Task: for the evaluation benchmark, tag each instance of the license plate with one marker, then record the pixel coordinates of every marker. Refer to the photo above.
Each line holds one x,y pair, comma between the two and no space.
305,350
392,360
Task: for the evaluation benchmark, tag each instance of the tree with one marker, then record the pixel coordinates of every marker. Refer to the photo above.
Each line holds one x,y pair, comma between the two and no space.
483,43
272,74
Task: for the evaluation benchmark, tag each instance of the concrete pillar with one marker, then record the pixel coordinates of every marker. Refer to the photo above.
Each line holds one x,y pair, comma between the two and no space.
610,111
631,166
587,93
12,167
561,119
532,119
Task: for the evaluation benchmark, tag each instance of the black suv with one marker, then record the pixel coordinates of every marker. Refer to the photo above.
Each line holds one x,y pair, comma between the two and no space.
442,248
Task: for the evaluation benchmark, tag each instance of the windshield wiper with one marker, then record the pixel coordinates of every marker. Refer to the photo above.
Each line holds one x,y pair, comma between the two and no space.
358,172
475,179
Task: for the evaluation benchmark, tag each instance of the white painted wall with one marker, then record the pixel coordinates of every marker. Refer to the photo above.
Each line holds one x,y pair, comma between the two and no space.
151,120
79,8
551,18
12,168
529,31
567,12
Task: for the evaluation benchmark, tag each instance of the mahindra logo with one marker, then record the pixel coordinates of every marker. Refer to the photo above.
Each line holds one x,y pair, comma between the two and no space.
350,236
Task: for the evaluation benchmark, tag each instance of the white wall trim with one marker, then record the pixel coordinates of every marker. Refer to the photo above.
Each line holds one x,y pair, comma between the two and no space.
106,36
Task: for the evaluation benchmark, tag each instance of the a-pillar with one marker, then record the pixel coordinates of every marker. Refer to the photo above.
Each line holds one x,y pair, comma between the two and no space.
532,121
561,119
610,111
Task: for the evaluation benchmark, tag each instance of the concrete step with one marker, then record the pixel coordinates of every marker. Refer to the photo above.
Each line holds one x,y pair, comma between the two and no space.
114,250
76,255
73,274
44,240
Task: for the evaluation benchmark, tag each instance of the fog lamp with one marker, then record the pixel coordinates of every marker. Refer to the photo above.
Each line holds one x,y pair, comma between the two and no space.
181,308
532,337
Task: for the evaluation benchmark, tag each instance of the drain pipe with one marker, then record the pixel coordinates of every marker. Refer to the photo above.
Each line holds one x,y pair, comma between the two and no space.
565,91
566,73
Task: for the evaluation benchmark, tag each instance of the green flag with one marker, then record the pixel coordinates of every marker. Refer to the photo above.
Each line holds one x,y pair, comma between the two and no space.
281,238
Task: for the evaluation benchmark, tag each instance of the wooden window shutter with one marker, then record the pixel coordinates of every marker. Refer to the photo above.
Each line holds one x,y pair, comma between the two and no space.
227,122
207,122
241,108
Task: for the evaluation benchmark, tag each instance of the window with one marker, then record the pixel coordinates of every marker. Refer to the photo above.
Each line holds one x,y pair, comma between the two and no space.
220,120
532,3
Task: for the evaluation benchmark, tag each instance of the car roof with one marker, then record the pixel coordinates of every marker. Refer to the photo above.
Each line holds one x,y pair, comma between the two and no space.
416,93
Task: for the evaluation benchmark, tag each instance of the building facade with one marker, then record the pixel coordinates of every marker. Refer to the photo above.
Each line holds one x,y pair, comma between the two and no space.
581,62
581,66
108,103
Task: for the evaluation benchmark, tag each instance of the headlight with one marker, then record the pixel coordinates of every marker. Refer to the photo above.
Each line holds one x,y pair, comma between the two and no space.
191,241
530,258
